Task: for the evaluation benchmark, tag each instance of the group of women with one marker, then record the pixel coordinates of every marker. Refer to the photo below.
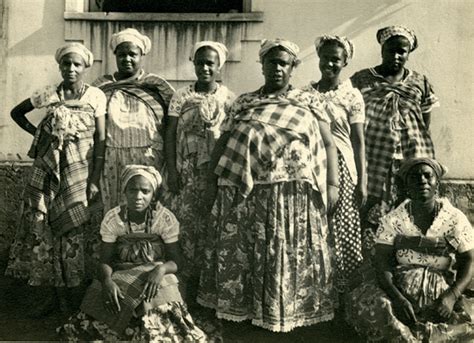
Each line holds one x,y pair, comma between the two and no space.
268,193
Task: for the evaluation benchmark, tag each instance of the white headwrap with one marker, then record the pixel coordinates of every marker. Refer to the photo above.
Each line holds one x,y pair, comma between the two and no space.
132,36
346,44
390,31
267,44
218,47
76,48
149,173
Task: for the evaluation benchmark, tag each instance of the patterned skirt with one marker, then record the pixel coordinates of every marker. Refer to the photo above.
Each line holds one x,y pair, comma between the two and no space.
268,257
346,228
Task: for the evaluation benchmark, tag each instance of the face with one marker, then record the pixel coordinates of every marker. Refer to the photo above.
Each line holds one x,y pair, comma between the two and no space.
395,53
421,182
128,57
277,67
206,65
72,68
332,58
139,194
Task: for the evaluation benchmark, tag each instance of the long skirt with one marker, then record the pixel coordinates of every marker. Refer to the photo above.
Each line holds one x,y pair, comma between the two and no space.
346,229
115,161
43,259
268,257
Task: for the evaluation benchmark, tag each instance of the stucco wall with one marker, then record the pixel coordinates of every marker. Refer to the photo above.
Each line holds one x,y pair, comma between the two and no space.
444,27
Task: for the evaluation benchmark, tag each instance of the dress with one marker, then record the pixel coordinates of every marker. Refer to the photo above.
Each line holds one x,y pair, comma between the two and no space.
200,117
57,240
139,249
135,112
421,277
395,130
344,106
267,256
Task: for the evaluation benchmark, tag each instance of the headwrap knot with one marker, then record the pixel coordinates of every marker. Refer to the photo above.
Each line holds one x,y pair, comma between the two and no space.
148,172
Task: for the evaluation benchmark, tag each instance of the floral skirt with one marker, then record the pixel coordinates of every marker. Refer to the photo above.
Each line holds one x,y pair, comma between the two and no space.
43,259
369,310
166,323
268,257
115,160
346,229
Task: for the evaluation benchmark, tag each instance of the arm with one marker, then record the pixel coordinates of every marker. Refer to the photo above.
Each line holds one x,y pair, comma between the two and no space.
170,153
427,119
332,167
358,145
99,153
18,114
110,291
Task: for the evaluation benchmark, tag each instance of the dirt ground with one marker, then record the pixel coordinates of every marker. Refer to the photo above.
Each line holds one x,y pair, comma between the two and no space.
15,326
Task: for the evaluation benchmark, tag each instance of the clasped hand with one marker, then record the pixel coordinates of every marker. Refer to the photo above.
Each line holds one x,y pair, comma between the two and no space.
153,283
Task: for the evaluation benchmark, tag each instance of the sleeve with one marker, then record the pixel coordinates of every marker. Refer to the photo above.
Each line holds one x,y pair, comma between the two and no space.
463,233
176,103
386,231
167,226
44,96
357,108
429,100
110,227
100,103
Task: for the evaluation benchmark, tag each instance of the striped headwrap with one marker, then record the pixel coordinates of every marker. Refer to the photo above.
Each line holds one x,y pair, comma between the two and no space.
148,172
343,41
390,31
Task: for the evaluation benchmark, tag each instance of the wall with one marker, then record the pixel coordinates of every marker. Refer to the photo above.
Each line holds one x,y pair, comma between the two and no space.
444,28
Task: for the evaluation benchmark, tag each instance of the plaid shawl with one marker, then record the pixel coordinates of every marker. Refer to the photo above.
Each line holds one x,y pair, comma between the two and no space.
60,171
261,130
394,115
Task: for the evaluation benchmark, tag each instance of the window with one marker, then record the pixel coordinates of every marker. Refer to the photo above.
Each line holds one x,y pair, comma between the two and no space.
171,6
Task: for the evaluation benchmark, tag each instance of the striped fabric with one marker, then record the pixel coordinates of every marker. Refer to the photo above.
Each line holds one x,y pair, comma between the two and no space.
394,122
262,129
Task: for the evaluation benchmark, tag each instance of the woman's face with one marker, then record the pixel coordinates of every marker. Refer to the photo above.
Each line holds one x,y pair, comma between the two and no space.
129,59
277,67
421,182
139,194
72,68
395,53
206,65
332,58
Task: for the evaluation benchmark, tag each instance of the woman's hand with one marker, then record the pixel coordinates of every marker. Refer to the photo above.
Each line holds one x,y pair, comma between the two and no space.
153,282
361,194
404,310
333,197
445,303
111,294
92,190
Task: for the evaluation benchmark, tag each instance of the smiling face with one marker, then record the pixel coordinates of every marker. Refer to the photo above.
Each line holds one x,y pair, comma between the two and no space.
395,52
332,58
277,66
421,182
72,68
206,65
139,194
129,59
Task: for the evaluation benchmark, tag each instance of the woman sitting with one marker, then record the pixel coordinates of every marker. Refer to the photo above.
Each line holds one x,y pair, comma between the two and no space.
424,258
137,297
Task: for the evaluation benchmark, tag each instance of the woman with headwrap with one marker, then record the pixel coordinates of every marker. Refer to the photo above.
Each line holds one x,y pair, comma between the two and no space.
345,107
424,259
398,104
275,173
136,297
137,103
55,239
196,114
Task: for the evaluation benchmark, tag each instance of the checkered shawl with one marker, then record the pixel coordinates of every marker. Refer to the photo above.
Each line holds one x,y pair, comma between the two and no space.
394,115
261,129
59,175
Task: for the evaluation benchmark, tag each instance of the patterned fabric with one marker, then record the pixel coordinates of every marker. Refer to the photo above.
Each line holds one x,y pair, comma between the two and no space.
395,128
344,106
267,44
397,30
274,139
421,277
346,44
267,257
200,117
135,111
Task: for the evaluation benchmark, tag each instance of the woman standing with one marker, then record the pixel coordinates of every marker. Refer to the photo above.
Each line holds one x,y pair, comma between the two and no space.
137,103
53,240
196,114
345,107
398,104
268,256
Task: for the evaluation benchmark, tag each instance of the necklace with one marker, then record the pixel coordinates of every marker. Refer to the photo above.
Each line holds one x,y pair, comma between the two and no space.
436,210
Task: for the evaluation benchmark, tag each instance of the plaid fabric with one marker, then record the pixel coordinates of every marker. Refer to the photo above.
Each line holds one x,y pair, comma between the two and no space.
59,175
394,122
261,130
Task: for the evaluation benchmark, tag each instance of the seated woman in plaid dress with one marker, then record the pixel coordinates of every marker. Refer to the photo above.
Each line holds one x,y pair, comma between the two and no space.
268,257
398,104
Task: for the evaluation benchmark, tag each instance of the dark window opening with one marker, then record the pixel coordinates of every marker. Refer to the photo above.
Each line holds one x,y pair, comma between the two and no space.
172,6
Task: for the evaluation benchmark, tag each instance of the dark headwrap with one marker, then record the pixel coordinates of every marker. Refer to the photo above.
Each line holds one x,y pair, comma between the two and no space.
407,165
